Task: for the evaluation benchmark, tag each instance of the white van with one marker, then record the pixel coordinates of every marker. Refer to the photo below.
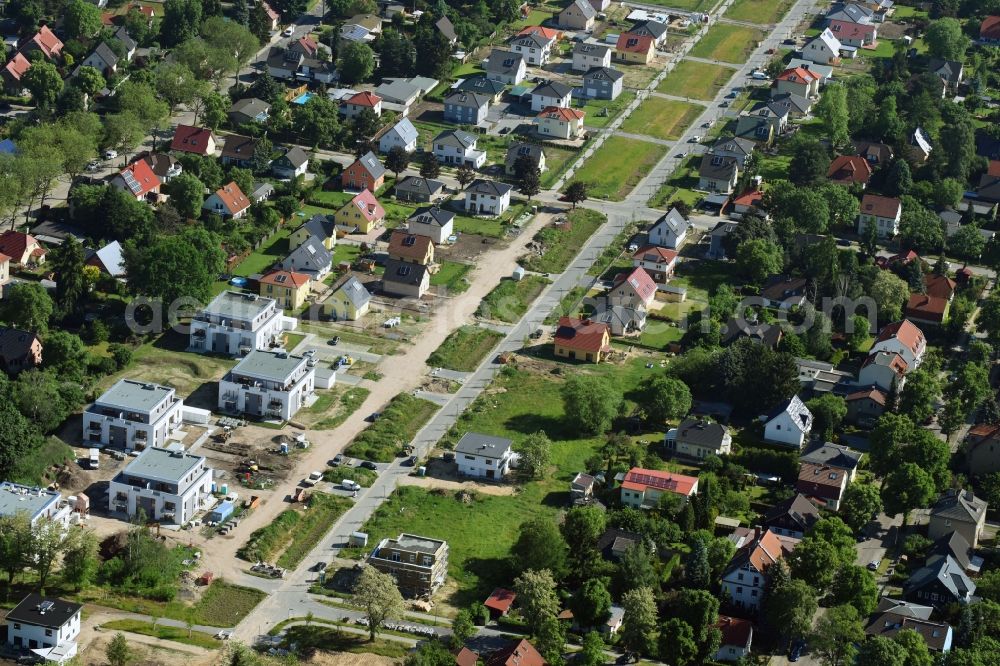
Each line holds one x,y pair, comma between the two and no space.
95,458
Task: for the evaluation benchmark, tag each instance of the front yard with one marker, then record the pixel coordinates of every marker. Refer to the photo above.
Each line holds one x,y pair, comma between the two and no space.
618,166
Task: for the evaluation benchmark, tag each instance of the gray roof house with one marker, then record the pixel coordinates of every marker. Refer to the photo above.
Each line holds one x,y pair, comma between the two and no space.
433,222
121,34
294,162
419,189
577,15
445,27
792,517
458,148
834,455
670,230
940,583
248,110
466,108
791,105
550,93
698,438
650,28
517,150
399,92
587,55
403,134
483,455
405,279
482,86
318,226
487,197
718,174
960,511
735,147
311,258
603,83
506,67
950,71
102,58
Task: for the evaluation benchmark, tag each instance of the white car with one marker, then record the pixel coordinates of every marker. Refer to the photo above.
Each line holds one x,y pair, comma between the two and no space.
696,138
110,154
289,31
94,166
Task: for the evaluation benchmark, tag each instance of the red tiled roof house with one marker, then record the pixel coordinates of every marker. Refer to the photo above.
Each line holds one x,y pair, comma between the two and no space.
642,488
228,201
197,140
137,180
582,339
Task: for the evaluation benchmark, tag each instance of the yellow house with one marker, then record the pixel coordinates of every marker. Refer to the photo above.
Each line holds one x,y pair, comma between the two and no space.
289,289
347,301
320,226
361,214
582,340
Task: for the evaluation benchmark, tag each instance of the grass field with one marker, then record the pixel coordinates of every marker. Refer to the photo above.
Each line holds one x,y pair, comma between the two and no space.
728,43
618,166
556,160
383,440
294,532
224,604
329,639
333,407
758,11
510,299
451,274
594,107
274,249
562,243
465,348
697,80
166,359
176,634
662,118
689,5
479,533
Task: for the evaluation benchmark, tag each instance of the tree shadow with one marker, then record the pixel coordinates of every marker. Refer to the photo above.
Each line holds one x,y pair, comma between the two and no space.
527,424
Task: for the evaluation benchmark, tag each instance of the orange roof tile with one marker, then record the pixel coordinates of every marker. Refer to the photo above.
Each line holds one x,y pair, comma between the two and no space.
561,113
410,246
872,394
849,169
990,28
143,180
500,600
581,334
365,98
798,75
660,255
285,279
191,139
638,478
905,331
49,44
17,66
233,198
547,33
632,43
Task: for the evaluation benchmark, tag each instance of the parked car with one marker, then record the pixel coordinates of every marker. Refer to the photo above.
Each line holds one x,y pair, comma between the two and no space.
796,652
368,464
373,417
319,566
411,461
289,31
110,154
334,341
337,459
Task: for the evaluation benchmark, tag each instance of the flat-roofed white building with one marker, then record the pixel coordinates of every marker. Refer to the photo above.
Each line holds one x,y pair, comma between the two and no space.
168,486
268,384
45,626
133,415
36,503
235,323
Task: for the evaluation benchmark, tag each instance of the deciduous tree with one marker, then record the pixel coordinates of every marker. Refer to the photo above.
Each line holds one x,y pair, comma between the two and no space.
837,632
536,593
379,597
907,487
639,620
590,402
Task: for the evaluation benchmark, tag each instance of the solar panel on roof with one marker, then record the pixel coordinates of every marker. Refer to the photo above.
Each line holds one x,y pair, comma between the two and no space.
131,182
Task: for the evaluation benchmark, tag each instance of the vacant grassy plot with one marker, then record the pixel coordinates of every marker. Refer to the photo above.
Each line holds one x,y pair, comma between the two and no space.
689,5
331,639
363,476
35,469
176,634
166,359
401,419
451,274
567,305
479,534
615,256
600,112
698,80
563,242
333,407
662,118
758,11
510,299
618,166
556,161
224,604
294,532
465,348
728,43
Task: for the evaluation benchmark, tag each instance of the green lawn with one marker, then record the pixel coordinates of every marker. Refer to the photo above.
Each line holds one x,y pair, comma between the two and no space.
563,242
618,166
662,118
534,17
345,252
480,533
332,640
595,107
728,43
274,249
698,80
680,185
567,305
657,335
762,12
465,348
452,274
488,226
399,422
176,634
166,360
224,604
333,407
291,536
510,299
556,161
688,5
334,199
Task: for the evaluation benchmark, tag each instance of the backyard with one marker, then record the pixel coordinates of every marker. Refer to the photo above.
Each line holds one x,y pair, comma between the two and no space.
594,108
728,43
451,276
165,359
465,348
662,118
618,166
698,80
274,249
680,185
758,11
510,299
